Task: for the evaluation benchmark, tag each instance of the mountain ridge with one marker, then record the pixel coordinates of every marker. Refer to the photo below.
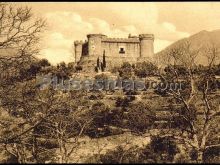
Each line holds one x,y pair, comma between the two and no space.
201,40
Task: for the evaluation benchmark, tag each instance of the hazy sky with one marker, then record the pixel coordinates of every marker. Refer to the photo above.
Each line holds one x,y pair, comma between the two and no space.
168,21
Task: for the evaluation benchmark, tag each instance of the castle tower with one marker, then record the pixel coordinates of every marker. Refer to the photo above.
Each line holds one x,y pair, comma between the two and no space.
146,46
78,50
95,44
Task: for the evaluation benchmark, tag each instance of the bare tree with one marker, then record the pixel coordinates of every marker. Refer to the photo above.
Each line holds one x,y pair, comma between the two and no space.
20,33
200,107
18,29
19,38
66,125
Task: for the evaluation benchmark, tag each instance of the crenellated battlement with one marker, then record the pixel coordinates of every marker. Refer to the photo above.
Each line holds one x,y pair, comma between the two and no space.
121,40
146,36
139,48
96,35
77,42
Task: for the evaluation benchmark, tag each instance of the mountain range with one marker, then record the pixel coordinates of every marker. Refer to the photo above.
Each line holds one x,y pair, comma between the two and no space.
201,40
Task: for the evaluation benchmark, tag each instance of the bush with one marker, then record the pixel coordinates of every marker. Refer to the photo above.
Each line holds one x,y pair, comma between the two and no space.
120,155
99,114
6,157
144,69
160,150
44,63
212,155
101,77
78,68
164,146
124,102
125,71
140,117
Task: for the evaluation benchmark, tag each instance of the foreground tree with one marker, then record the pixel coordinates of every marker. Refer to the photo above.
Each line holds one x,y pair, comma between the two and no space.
198,114
18,28
19,35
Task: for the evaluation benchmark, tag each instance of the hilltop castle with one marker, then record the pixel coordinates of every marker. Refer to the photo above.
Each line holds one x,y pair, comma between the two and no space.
116,50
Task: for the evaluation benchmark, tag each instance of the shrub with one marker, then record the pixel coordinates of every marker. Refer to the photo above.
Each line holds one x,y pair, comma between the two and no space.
125,71
124,102
212,155
120,155
140,117
78,68
144,69
160,150
99,114
164,146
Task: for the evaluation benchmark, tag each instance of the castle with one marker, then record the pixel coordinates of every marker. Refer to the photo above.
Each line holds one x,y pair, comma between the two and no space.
117,50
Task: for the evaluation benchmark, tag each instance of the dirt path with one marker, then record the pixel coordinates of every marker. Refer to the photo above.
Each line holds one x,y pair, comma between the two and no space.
88,147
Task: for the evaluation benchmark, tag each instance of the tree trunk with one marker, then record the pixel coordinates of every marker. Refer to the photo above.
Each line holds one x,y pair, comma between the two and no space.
193,86
200,157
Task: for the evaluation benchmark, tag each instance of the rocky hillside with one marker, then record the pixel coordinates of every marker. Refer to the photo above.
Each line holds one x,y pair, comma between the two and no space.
201,40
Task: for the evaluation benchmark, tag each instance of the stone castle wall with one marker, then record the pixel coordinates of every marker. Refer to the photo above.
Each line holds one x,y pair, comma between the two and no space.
112,49
117,50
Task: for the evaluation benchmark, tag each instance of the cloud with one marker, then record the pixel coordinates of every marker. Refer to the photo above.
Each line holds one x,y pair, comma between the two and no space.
114,20
130,28
68,23
57,55
172,29
191,17
65,27
161,44
104,27
57,40
142,15
57,48
169,26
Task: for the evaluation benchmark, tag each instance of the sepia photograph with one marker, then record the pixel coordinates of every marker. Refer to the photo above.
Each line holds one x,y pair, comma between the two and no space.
109,82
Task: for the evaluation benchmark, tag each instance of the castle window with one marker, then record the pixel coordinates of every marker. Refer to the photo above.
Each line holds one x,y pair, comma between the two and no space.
122,50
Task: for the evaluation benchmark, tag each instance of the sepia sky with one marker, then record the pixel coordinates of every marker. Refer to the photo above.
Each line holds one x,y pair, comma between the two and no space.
168,21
